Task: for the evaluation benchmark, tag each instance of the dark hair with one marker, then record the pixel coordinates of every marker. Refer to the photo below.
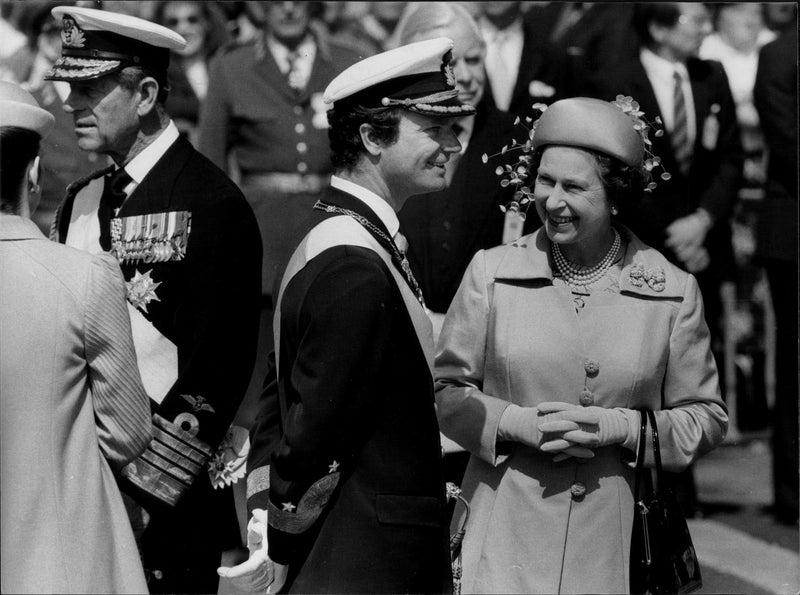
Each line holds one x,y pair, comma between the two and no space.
130,77
18,147
665,14
623,183
345,138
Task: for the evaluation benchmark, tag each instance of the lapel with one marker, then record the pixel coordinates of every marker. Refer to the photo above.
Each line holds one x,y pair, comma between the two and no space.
530,64
60,227
527,259
476,187
701,94
642,91
155,193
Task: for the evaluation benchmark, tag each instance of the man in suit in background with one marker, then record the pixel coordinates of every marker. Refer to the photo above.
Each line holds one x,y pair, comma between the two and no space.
188,246
345,471
775,97
522,67
72,405
687,218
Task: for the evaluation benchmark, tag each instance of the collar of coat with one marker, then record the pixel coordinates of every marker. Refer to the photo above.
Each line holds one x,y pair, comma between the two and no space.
15,227
528,259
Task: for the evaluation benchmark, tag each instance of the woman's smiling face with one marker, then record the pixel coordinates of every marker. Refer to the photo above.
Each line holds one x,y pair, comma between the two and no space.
571,199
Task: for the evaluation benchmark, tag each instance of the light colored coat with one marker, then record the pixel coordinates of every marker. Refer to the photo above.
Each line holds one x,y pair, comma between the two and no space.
72,407
511,336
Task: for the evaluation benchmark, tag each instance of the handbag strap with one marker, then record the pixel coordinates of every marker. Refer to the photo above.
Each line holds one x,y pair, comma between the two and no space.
656,449
645,416
640,453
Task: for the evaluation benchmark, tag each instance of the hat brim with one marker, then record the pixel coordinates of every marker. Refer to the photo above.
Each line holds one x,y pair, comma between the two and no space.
29,117
71,68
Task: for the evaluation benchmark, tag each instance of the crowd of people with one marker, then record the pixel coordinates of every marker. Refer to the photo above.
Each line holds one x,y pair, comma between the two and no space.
308,262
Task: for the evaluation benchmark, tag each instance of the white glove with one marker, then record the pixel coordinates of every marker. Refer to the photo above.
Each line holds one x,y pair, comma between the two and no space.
593,426
257,574
523,424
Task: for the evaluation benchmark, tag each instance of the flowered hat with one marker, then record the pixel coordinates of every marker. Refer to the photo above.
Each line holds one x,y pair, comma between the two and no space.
96,43
591,124
418,77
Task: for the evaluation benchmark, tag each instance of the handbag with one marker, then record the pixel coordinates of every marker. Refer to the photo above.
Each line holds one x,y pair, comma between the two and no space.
663,559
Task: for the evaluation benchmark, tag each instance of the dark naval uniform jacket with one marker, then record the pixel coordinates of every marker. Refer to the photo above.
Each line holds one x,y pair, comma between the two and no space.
346,453
205,301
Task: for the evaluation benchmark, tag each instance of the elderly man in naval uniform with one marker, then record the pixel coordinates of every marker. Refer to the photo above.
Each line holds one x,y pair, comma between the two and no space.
189,248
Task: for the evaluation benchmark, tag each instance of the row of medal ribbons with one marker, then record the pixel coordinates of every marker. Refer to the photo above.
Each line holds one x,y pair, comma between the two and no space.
154,237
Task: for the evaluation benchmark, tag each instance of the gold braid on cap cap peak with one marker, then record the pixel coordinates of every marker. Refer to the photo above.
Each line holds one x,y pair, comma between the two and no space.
423,103
517,174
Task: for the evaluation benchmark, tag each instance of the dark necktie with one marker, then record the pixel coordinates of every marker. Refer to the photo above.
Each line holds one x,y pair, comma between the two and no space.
680,130
110,202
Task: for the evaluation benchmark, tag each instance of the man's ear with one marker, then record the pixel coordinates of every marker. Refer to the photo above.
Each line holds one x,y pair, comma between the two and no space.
369,139
35,174
657,32
148,91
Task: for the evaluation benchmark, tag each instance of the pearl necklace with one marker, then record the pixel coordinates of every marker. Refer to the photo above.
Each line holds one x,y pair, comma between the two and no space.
581,276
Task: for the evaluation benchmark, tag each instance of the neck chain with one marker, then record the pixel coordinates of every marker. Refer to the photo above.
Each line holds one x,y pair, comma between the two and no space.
582,276
398,256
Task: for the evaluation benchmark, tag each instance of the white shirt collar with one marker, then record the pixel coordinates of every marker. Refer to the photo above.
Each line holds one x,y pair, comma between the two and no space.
490,30
140,166
380,207
656,66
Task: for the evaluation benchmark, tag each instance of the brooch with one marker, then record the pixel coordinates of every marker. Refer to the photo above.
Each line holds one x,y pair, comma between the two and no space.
655,277
142,290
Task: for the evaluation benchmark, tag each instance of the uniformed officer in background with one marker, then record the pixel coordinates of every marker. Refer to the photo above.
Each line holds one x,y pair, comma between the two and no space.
264,120
189,249
345,475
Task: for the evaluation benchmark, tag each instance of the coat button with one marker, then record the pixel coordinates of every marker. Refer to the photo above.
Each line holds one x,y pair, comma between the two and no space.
299,128
591,366
586,398
302,167
578,490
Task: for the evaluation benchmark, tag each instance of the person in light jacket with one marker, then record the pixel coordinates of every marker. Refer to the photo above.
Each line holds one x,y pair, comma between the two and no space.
73,410
551,345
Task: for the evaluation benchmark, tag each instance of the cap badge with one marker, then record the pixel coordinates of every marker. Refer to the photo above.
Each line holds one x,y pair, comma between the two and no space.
447,69
71,34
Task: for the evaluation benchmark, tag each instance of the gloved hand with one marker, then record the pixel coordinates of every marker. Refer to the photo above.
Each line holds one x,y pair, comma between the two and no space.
596,426
522,424
257,574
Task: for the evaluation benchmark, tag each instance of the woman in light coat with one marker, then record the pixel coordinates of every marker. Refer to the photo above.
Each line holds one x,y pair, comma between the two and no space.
548,349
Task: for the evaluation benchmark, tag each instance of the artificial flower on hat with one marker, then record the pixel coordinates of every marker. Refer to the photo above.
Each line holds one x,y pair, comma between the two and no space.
615,128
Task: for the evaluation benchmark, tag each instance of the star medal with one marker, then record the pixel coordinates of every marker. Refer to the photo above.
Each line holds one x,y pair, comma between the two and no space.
142,290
